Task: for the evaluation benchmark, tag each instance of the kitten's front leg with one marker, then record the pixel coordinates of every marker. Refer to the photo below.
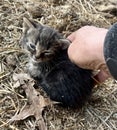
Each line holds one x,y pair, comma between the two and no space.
34,70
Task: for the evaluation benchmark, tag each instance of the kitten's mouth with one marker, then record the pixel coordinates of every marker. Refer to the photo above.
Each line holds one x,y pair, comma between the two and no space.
43,56
39,60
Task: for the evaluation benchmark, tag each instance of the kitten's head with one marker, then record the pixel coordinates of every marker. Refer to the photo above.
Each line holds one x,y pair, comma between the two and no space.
41,42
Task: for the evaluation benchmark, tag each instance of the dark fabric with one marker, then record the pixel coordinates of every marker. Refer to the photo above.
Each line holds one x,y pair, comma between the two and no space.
110,50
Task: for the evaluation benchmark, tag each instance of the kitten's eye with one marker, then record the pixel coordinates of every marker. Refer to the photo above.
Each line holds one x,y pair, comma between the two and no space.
48,45
32,46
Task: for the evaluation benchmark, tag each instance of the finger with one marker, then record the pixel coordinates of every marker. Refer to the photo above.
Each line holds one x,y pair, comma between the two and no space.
72,36
101,76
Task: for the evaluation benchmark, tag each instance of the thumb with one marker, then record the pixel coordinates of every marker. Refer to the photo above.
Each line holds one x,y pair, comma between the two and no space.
71,37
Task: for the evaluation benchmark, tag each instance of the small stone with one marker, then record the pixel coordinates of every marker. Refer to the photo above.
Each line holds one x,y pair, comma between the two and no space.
11,60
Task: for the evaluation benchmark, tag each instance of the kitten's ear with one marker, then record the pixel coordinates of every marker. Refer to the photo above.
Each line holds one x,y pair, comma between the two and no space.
29,23
64,43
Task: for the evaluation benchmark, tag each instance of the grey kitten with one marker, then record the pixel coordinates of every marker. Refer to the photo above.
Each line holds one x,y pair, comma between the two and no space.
50,66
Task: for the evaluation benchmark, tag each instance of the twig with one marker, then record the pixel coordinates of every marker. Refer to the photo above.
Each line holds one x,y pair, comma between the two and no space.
104,122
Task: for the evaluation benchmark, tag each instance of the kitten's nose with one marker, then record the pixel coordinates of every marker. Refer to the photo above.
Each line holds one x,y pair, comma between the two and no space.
39,55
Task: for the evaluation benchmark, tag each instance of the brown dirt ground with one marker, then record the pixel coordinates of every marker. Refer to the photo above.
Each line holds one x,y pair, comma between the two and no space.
100,113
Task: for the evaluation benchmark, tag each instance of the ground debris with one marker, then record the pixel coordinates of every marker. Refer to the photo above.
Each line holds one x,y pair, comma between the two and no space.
105,8
36,103
66,16
113,1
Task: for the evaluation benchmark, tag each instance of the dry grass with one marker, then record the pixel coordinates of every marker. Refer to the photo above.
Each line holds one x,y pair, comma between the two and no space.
66,16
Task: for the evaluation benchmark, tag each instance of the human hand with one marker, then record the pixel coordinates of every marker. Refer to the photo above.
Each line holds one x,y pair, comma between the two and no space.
86,50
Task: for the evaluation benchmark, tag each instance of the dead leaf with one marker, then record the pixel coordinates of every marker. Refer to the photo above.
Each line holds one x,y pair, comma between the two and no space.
11,60
20,79
26,112
16,84
21,76
37,103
